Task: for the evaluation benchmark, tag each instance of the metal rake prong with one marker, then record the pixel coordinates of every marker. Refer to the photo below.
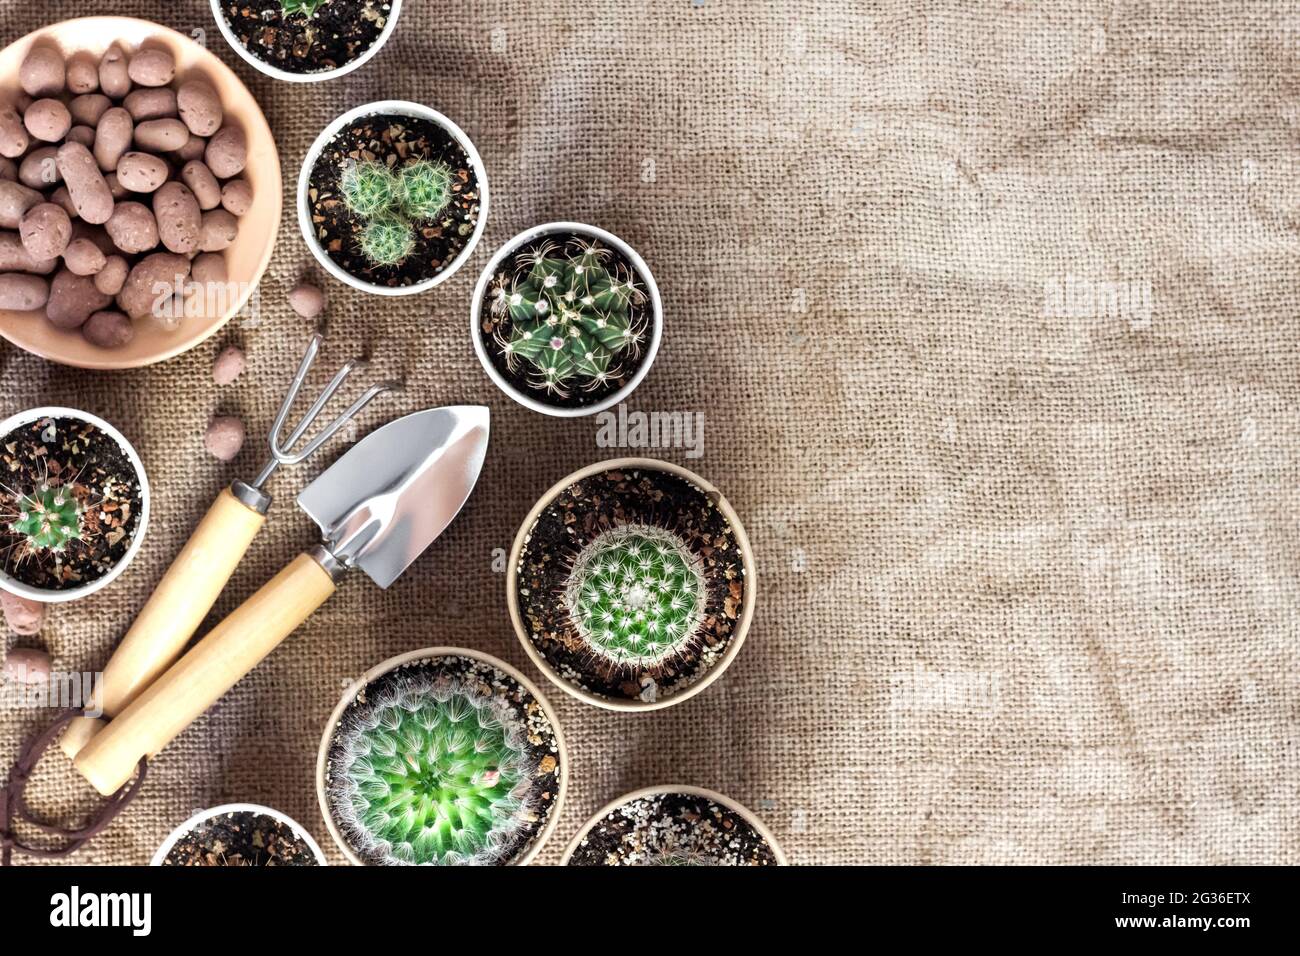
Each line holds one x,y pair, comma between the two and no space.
330,430
283,451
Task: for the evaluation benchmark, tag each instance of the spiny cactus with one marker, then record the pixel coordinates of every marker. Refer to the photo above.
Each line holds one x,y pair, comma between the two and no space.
430,772
571,316
635,595
391,201
305,7
677,856
387,240
46,519
424,188
369,188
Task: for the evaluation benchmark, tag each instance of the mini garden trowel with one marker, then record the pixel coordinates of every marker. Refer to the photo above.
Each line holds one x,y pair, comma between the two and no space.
379,506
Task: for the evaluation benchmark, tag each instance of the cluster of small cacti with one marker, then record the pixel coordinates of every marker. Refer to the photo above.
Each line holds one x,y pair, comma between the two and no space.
392,202
430,772
574,311
636,595
47,520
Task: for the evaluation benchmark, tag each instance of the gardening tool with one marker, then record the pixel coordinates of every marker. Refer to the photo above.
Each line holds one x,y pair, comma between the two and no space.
190,587
378,507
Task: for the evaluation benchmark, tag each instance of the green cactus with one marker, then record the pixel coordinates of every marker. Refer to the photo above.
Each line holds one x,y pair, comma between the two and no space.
47,519
430,772
424,188
369,189
387,240
636,595
305,7
570,316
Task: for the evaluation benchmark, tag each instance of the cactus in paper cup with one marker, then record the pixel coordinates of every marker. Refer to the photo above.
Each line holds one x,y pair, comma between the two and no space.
47,519
636,595
432,773
571,315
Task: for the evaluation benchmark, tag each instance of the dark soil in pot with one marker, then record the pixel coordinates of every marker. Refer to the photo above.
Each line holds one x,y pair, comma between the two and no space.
447,760
241,838
75,457
336,33
501,326
394,141
578,522
673,829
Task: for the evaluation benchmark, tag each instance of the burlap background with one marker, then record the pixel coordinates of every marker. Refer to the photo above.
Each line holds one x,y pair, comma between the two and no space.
1029,580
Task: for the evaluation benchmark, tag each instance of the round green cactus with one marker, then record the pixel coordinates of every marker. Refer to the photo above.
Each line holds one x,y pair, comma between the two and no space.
429,772
369,188
571,315
387,240
636,595
48,519
424,188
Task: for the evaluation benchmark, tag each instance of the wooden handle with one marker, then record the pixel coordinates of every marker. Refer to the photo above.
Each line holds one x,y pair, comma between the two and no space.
182,599
199,679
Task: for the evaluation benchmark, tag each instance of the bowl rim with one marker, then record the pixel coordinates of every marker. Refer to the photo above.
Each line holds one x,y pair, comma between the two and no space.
531,234
299,830
248,120
397,108
14,586
392,663
747,562
748,815
289,77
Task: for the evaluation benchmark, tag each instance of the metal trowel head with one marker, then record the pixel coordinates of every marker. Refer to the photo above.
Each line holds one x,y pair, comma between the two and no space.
385,500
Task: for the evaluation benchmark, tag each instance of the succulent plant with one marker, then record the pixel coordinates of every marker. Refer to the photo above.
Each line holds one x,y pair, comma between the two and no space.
305,7
387,240
47,519
430,772
369,188
424,188
571,315
390,201
636,595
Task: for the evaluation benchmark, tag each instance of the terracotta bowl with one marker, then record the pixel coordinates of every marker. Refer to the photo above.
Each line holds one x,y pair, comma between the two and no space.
246,258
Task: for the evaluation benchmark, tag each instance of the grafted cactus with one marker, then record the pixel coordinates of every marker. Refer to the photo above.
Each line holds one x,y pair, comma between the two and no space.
572,315
424,188
430,772
46,519
636,595
369,189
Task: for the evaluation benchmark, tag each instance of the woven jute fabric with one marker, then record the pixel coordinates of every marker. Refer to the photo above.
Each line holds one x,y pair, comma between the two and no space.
989,309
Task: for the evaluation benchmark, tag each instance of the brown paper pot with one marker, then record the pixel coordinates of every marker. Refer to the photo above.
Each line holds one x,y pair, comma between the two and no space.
392,663
742,625
741,811
253,808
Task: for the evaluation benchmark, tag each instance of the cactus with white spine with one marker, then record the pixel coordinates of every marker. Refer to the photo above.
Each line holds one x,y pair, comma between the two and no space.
387,240
572,315
430,772
636,596
424,189
390,202
46,520
369,188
